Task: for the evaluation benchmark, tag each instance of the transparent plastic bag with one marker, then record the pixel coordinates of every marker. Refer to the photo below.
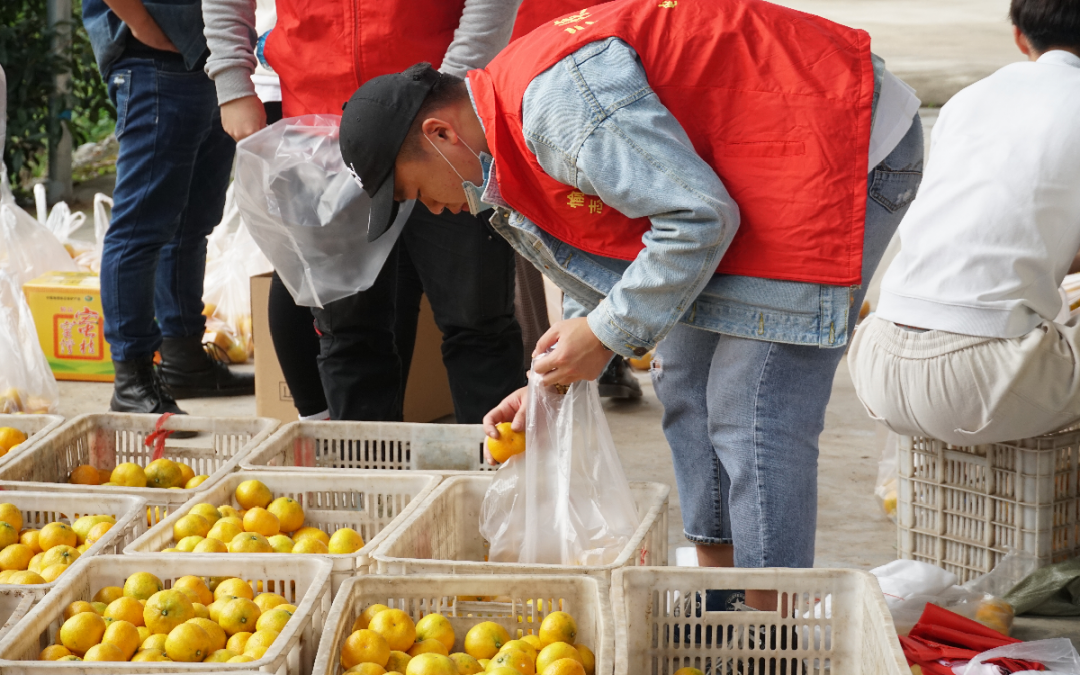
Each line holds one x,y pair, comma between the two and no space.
27,248
1057,654
26,382
885,487
307,213
90,259
565,500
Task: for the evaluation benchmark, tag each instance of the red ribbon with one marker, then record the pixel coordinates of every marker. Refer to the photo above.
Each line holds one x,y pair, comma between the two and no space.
158,435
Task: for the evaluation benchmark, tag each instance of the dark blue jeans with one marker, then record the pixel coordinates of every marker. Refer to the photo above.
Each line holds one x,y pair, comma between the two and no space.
171,176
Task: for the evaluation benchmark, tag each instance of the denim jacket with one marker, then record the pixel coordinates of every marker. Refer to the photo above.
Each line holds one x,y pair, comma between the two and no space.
593,122
180,20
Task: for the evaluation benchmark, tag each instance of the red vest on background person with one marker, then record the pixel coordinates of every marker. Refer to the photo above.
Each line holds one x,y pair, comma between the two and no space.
322,51
776,101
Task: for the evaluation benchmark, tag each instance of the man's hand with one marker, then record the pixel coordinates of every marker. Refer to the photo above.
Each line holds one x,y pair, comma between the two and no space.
242,117
142,25
512,409
579,355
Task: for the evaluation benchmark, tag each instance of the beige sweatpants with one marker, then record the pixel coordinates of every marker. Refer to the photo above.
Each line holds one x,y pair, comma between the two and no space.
968,390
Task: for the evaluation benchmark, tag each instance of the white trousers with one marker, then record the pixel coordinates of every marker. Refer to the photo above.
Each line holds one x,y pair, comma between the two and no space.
968,390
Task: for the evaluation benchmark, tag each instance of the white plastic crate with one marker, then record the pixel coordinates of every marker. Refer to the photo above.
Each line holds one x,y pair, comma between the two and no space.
962,508
13,607
372,445
839,623
371,503
41,508
303,580
36,428
584,597
443,535
107,439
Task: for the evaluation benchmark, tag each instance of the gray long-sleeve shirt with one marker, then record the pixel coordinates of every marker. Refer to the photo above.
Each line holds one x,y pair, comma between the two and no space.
483,31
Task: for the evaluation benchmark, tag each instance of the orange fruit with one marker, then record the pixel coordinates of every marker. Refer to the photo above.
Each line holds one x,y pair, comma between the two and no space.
208,511
124,635
344,541
85,475
106,651
288,512
398,662
274,620
26,578
262,521
97,532
188,643
310,545
128,474
201,612
126,609
228,511
364,646
16,557
484,640
554,652
428,647
588,659
8,535
431,664
564,667
558,627
508,444
53,572
203,593
104,476
367,669
69,657
195,482
224,530
688,671
268,601
140,586
396,627
209,545
521,646
237,641
281,543
218,638
57,534
364,619
82,631
239,615
243,658
83,525
53,652
10,514
110,593
250,542
189,525
513,658
466,664
148,655
30,538
307,532
156,641
253,493
436,627
81,606
220,656
57,555
186,473
9,438
165,610
259,643
163,473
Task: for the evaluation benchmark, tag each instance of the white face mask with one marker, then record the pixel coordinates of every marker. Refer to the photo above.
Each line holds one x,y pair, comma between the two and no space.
473,192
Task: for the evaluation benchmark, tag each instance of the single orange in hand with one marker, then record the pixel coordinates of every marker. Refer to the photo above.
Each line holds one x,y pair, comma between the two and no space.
508,444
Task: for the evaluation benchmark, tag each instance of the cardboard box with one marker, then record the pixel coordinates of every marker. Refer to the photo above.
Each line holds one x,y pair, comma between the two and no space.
66,307
427,393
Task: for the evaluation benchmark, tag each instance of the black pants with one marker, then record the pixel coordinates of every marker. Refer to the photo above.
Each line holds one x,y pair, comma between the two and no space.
467,273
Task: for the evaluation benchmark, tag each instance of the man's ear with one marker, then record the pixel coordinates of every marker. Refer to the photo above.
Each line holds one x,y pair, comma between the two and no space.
437,129
1022,42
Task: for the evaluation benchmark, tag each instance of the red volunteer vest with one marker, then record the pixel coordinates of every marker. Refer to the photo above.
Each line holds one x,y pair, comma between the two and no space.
776,101
324,50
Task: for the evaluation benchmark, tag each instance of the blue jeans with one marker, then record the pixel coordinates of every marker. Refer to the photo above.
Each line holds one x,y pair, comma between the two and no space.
743,416
171,176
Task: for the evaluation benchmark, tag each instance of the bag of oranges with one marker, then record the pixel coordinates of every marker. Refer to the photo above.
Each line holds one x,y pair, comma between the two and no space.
565,500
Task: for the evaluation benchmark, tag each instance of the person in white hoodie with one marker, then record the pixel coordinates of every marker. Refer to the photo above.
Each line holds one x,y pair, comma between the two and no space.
964,346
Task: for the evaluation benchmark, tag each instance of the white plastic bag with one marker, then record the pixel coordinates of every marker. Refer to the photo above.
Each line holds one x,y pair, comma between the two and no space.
27,248
306,212
565,500
26,382
89,259
885,487
1057,654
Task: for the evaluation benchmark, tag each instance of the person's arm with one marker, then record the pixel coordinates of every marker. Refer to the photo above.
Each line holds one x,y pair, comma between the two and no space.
639,161
484,30
141,24
230,36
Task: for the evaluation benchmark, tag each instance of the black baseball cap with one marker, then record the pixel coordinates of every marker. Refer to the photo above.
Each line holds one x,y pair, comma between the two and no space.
374,124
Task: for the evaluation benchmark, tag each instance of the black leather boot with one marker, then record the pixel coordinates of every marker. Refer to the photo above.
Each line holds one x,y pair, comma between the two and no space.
138,389
617,381
192,370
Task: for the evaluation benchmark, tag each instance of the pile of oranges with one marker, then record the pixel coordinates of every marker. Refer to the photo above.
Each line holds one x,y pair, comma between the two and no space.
31,556
262,524
160,473
189,622
385,641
